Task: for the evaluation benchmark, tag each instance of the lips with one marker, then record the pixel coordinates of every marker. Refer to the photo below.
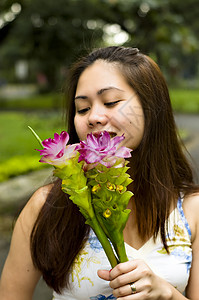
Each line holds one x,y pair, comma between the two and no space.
111,133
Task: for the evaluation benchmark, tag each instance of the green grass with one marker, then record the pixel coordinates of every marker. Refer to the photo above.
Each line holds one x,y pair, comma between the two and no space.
43,101
185,101
17,139
17,151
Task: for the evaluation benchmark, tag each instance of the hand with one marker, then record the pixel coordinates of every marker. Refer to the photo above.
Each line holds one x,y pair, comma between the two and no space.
147,284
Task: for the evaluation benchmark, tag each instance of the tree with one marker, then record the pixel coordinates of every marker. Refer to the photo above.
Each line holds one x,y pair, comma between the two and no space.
51,34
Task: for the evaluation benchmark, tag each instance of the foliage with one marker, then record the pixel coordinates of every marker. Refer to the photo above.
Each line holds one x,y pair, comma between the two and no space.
56,32
44,101
18,165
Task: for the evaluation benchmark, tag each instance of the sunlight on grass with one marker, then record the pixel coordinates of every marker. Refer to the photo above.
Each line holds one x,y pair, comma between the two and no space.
185,101
17,139
17,151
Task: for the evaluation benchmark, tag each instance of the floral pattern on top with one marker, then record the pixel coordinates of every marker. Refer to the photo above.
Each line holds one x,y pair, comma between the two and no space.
94,243
77,266
178,239
102,297
184,220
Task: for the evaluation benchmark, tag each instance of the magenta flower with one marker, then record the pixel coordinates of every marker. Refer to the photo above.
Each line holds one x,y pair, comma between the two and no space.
100,148
55,151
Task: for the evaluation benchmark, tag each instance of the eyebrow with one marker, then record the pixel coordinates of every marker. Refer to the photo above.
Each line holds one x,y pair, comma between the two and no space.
100,92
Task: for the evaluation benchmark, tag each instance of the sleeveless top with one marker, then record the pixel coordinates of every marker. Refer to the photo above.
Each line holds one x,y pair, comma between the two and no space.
173,267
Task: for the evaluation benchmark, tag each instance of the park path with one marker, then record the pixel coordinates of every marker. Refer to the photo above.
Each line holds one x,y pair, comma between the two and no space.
19,189
191,124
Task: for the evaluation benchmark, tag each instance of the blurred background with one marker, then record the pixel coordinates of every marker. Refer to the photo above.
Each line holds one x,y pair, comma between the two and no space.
40,39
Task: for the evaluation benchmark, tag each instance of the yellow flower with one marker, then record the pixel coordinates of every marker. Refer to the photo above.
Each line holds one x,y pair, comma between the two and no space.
110,186
119,188
96,188
107,213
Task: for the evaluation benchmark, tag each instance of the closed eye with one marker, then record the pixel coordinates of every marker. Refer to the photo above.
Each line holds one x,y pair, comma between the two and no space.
83,111
109,104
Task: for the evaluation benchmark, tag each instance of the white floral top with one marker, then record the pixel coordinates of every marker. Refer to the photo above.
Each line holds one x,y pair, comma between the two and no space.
173,267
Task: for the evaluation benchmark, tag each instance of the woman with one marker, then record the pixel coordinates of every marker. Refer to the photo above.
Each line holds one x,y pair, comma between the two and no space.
121,91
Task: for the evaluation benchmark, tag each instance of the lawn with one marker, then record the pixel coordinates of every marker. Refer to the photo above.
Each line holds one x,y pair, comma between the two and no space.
185,101
17,151
44,101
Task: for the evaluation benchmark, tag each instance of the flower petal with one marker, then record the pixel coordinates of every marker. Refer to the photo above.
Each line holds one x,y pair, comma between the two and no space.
100,148
116,140
55,150
123,152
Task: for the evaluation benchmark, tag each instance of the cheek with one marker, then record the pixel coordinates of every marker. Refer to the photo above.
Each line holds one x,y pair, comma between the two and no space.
80,128
133,124
136,130
77,125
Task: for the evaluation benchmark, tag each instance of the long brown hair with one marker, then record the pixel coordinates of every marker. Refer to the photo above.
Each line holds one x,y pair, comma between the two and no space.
158,166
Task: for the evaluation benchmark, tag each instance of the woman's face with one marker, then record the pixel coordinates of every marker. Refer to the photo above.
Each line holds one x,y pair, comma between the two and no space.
104,101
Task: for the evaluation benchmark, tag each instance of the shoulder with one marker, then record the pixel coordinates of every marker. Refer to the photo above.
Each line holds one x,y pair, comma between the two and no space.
28,216
191,203
31,210
39,197
191,209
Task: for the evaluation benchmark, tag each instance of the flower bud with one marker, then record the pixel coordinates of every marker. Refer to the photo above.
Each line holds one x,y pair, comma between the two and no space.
119,188
110,186
107,213
96,188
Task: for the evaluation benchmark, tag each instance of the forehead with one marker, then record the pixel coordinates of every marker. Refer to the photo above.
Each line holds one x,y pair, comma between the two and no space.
100,75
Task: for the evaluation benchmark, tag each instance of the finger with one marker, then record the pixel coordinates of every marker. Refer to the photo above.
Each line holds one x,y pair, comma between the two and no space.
124,279
104,274
125,291
123,268
125,273
133,297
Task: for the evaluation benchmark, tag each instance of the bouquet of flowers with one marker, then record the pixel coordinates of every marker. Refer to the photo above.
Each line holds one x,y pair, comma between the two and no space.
94,175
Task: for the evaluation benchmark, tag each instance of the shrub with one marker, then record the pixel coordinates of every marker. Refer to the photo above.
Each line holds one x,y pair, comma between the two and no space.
18,165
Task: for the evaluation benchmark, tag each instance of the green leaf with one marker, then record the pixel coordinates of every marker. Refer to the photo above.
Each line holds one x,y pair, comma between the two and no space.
36,136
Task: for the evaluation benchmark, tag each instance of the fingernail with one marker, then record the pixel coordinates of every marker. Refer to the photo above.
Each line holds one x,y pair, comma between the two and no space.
110,270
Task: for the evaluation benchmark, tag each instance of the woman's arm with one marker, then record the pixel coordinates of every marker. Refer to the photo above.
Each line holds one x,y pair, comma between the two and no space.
19,276
148,284
191,208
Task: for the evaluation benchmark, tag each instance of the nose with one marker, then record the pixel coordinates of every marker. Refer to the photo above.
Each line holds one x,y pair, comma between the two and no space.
97,117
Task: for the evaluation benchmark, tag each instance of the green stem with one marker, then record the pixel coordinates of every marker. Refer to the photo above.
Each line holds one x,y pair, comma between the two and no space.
120,249
121,252
104,241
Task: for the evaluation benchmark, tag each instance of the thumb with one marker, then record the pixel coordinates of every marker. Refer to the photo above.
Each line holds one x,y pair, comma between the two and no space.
103,274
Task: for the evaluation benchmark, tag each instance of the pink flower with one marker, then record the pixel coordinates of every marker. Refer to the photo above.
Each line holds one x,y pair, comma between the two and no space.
100,148
55,151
